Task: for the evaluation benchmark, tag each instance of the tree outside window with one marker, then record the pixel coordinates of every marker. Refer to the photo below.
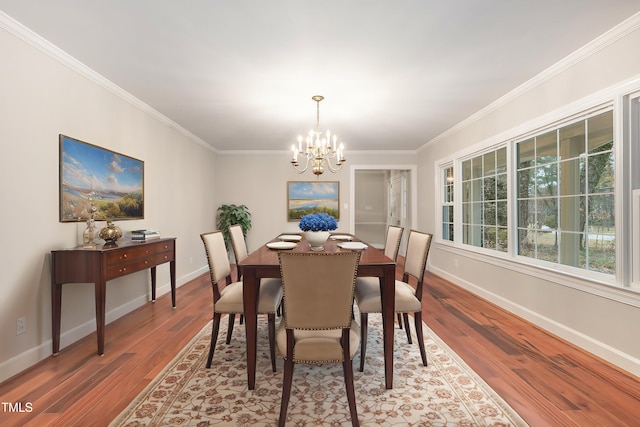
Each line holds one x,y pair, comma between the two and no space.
565,195
484,201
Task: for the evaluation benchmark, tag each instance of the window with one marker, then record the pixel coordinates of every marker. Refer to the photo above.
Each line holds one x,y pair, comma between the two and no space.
565,195
447,203
634,159
484,201
548,197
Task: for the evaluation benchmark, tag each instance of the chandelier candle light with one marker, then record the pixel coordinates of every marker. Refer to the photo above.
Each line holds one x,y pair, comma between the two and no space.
319,149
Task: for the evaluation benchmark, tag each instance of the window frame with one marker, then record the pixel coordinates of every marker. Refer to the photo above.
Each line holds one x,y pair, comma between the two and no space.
553,121
630,176
494,149
558,162
442,185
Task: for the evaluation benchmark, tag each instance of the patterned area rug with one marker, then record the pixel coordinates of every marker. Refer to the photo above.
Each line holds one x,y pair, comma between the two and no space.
445,393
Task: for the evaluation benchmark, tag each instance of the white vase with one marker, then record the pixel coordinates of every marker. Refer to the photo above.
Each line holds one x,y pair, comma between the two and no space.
316,239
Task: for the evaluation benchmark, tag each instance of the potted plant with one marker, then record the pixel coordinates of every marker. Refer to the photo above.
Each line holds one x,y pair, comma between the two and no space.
231,215
316,227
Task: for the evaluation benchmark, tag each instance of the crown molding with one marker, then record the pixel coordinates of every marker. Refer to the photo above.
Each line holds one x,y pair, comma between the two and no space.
25,34
288,152
616,33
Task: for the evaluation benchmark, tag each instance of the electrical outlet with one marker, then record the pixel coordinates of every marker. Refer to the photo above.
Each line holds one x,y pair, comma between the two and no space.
21,326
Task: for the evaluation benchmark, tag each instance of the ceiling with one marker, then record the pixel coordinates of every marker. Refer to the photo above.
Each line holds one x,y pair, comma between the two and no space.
395,74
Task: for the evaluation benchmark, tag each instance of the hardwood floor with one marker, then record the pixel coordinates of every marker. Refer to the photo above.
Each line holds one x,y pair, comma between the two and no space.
548,381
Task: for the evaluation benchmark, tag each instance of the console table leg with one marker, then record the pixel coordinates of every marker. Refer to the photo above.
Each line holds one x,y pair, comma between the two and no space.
56,303
101,288
172,270
153,284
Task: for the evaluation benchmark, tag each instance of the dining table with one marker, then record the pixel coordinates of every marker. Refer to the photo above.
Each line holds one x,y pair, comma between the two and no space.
264,263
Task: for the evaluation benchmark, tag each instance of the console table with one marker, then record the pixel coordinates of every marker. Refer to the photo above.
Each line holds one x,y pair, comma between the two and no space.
102,263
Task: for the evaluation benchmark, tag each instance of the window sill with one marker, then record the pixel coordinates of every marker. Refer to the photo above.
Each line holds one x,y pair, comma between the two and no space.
597,284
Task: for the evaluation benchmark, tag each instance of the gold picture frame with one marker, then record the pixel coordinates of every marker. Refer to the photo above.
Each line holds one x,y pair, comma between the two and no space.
94,177
307,197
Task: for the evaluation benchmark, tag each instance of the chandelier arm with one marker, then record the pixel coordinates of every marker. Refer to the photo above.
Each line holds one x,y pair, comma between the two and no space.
303,170
332,168
331,154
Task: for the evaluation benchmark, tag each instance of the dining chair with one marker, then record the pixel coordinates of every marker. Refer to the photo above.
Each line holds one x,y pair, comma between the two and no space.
316,326
229,300
239,247
391,248
240,252
407,299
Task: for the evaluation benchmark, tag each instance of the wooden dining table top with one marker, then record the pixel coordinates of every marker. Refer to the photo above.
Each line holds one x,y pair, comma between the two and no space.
265,256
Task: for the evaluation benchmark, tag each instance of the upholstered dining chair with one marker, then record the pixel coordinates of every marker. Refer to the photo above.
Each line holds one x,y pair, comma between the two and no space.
240,252
239,246
408,299
316,326
229,300
391,248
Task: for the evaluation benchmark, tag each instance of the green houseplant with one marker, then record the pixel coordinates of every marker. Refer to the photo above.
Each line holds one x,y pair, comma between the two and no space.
231,215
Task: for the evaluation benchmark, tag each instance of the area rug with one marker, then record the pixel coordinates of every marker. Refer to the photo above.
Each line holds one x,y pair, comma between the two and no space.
445,393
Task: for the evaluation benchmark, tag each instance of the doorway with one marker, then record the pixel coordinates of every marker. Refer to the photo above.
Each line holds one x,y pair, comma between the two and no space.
382,196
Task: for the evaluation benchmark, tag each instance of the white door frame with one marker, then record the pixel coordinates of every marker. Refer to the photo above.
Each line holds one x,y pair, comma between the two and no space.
413,188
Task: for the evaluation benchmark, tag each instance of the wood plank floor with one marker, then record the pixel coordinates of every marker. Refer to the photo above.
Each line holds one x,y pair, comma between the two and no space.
548,381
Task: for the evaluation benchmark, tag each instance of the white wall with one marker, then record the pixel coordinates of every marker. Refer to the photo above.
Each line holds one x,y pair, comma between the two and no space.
259,180
42,97
591,315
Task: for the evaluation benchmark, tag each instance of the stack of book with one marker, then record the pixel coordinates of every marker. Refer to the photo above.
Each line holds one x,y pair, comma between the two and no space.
144,235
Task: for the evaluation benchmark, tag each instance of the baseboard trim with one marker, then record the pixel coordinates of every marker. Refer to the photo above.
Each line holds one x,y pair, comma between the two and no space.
612,355
25,360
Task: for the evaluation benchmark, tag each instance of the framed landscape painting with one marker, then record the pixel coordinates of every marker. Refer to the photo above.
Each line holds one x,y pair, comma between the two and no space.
306,197
91,176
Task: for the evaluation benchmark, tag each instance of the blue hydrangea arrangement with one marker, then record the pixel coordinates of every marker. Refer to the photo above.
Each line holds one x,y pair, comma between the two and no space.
318,222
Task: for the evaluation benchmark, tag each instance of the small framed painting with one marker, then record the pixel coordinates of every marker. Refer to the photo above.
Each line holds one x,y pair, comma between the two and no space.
96,180
307,197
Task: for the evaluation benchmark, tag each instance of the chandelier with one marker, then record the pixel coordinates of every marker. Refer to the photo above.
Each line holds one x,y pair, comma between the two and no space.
318,149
